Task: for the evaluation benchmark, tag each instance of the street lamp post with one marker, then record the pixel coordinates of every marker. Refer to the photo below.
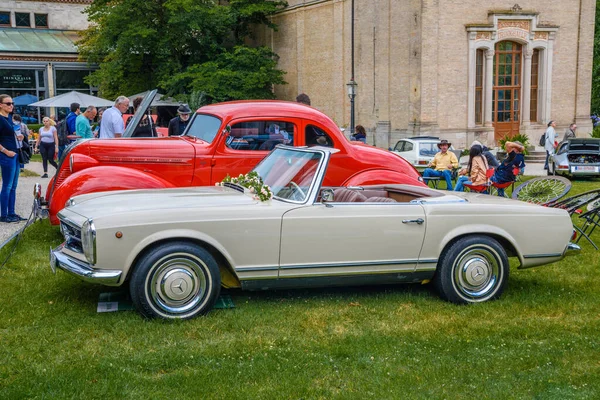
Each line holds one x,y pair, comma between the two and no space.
351,94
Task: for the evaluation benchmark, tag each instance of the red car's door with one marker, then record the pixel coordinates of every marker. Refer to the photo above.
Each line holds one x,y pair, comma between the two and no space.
249,141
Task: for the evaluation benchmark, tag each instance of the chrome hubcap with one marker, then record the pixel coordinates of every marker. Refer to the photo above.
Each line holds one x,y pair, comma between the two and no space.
178,284
477,273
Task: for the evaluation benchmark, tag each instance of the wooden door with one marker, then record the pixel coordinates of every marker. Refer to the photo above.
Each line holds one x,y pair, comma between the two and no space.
506,100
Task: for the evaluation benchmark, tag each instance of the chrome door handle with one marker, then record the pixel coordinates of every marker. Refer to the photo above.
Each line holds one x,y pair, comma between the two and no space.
418,221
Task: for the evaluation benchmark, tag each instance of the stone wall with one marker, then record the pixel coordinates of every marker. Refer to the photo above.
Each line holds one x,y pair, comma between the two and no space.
61,15
411,62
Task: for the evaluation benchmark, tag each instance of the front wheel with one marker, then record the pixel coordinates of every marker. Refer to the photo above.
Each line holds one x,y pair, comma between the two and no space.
473,269
176,280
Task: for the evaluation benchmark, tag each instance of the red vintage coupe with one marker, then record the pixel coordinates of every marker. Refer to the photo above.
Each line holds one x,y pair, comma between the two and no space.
221,139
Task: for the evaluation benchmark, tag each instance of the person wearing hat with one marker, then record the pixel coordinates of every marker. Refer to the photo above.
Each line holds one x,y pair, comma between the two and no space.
505,171
178,124
442,164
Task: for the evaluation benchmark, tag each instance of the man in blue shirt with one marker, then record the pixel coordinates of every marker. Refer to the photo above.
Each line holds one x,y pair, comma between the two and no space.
83,127
71,126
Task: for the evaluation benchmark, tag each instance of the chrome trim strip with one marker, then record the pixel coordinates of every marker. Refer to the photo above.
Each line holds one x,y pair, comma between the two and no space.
250,269
543,255
429,261
357,264
83,270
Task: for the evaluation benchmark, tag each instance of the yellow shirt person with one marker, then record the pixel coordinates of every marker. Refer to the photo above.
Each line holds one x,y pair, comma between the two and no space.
442,164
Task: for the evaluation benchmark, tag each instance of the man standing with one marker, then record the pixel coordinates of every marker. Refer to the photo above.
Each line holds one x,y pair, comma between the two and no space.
178,124
570,132
442,164
71,128
83,129
113,125
549,143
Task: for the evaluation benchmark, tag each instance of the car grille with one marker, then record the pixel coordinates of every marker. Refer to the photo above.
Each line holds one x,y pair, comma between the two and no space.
72,237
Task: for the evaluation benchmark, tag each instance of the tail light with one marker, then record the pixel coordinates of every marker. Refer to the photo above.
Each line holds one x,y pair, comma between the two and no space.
422,162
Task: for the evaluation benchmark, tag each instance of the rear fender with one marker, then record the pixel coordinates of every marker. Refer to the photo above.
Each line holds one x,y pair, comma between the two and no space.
101,179
381,176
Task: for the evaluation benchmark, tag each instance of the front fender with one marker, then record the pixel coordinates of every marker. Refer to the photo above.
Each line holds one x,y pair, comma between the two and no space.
101,179
380,176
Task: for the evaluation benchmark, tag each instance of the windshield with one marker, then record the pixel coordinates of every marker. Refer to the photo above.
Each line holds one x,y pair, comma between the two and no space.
428,149
204,127
290,173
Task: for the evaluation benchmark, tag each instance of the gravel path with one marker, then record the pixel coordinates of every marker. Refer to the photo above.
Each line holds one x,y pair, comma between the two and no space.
25,198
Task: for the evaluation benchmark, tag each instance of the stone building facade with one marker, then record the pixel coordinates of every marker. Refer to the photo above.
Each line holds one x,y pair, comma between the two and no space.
458,69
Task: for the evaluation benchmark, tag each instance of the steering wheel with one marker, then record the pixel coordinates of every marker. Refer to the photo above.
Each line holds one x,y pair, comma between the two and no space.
297,190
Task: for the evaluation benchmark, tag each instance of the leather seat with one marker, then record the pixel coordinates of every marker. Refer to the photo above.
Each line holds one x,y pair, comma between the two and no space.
343,195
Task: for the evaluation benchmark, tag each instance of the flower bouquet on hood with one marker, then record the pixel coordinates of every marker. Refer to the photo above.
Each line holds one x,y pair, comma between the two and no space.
253,183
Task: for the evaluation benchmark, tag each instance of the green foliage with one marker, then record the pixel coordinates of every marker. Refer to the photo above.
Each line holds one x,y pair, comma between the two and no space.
519,137
596,65
243,73
34,127
596,132
141,45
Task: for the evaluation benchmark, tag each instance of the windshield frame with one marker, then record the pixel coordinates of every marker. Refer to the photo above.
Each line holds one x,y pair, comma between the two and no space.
313,189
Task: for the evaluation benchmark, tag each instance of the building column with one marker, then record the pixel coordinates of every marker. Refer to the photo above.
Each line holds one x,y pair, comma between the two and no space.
547,100
489,86
526,88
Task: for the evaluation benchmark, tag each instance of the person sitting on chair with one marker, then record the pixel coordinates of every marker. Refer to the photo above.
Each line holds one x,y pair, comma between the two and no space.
505,171
475,173
442,164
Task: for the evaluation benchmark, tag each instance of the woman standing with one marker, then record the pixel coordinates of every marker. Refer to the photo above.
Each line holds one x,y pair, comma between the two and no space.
9,162
475,173
47,144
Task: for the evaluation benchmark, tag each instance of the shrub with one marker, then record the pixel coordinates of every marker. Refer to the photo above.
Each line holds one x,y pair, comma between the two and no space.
596,132
519,137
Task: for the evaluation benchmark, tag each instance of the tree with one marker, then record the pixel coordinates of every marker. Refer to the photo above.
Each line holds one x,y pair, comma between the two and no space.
140,45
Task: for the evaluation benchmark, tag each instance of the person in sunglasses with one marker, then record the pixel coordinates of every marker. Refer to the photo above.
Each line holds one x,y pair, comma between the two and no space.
9,162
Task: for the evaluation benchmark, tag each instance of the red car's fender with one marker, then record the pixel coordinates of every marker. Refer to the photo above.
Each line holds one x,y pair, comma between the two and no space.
99,179
380,176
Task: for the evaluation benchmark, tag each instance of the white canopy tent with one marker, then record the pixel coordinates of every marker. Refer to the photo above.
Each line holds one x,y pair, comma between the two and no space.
65,100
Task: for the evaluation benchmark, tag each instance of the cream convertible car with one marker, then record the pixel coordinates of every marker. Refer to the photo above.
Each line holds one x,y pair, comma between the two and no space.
177,247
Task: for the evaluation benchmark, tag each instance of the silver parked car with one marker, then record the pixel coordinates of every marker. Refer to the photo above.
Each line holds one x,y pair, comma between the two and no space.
175,248
576,157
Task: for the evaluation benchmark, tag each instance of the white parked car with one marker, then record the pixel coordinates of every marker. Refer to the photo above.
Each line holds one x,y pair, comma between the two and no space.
419,150
175,248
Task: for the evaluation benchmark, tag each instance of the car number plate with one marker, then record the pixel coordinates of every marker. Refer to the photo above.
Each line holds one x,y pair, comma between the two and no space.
584,168
52,261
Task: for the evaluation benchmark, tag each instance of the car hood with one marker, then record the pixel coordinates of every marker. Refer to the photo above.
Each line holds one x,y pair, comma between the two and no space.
96,205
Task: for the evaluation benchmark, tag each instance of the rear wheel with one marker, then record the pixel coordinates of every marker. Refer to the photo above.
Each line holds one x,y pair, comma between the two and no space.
473,269
177,280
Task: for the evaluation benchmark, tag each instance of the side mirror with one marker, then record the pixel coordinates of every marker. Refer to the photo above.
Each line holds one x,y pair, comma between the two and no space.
326,195
390,149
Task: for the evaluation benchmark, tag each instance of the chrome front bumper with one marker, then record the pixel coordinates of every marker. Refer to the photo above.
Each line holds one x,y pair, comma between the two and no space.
572,250
82,270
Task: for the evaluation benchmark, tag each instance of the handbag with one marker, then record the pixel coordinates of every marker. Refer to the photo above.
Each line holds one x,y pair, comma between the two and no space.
23,157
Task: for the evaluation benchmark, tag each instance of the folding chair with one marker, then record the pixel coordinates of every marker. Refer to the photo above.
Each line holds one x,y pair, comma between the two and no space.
482,188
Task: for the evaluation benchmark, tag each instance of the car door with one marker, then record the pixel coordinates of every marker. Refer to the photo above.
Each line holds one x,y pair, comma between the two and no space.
248,142
346,239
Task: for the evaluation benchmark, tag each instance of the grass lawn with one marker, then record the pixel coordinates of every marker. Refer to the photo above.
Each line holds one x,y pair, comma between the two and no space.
541,340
